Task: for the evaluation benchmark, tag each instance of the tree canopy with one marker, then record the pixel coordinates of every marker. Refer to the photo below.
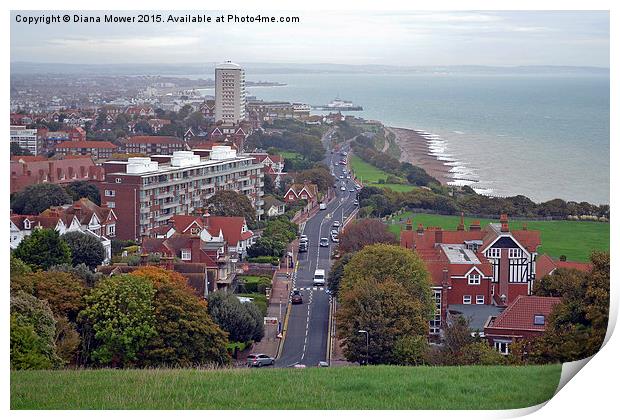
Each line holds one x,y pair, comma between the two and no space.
242,321
34,199
83,189
231,203
364,232
42,249
85,249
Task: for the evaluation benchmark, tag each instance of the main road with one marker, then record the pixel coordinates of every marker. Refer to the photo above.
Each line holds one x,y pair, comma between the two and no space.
305,341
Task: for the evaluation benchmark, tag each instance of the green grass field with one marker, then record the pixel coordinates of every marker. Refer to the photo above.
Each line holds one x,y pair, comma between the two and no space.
372,387
290,155
371,175
559,237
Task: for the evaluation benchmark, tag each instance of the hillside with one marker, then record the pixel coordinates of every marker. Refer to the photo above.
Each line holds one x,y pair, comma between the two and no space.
372,387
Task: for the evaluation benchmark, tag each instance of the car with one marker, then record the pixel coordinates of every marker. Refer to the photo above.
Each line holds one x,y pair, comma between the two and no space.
336,163
351,189
296,297
334,232
322,206
323,364
259,360
348,176
336,223
324,242
343,188
335,238
303,247
244,299
303,238
356,203
341,176
299,366
319,277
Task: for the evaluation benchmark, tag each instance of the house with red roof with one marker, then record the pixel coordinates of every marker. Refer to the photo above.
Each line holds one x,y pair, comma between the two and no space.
546,265
140,111
306,191
154,145
486,268
96,149
525,317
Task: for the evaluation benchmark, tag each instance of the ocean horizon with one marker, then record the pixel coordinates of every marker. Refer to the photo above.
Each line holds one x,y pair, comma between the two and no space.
544,136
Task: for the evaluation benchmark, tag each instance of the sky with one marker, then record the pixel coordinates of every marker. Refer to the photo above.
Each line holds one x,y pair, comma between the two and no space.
567,38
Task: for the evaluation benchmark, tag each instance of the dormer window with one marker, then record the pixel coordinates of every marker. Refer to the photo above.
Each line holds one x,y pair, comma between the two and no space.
195,231
26,224
186,254
539,320
473,279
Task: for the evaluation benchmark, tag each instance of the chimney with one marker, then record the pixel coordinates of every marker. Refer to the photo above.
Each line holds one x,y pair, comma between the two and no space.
475,225
420,229
503,219
461,225
50,170
524,226
408,225
438,236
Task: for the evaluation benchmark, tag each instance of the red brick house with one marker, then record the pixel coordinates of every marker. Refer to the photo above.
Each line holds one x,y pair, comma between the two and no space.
525,317
154,145
546,265
140,111
486,268
96,149
77,134
305,191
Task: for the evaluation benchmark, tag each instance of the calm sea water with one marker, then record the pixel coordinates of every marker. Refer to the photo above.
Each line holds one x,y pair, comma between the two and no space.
543,136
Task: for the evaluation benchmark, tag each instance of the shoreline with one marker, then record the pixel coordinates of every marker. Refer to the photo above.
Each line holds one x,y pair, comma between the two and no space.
415,149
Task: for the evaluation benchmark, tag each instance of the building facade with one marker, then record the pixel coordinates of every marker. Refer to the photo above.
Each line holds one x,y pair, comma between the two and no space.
154,145
25,138
146,193
96,149
229,93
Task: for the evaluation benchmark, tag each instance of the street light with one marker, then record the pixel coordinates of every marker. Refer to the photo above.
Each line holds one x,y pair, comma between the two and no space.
365,332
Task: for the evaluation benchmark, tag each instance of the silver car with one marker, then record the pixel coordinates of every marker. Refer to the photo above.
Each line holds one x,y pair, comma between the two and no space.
259,360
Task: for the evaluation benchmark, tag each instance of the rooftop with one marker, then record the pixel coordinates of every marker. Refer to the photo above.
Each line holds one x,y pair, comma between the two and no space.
459,254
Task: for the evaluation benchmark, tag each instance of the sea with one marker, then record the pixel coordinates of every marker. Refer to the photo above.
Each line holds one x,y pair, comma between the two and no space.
544,136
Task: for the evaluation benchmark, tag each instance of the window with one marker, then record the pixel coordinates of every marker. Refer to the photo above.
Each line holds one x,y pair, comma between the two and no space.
479,299
435,323
514,253
118,180
467,299
195,231
539,320
186,254
110,193
494,253
111,230
473,279
502,346
111,204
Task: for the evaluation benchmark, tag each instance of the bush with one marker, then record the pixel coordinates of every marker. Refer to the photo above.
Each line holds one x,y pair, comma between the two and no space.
265,259
252,284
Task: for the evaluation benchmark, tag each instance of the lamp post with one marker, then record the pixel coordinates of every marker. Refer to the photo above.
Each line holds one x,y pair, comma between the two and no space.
365,332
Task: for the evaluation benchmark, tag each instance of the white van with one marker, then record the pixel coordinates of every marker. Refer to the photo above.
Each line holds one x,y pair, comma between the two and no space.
319,278
322,206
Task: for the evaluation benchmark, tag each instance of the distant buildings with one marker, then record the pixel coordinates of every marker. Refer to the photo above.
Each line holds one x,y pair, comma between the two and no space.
147,192
25,138
154,145
307,191
96,149
229,93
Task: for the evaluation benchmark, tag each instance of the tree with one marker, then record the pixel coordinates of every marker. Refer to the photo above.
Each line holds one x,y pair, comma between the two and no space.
196,120
143,127
269,187
34,199
32,333
242,321
85,249
388,312
186,335
17,150
337,271
83,189
42,249
64,292
18,267
120,314
320,175
231,203
80,271
364,232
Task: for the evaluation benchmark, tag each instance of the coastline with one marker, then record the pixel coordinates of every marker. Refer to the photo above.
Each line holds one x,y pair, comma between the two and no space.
415,149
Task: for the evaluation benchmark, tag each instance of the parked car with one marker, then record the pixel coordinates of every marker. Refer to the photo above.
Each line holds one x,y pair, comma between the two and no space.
322,206
343,188
303,238
335,238
259,360
356,203
334,232
296,297
303,247
352,190
336,223
324,242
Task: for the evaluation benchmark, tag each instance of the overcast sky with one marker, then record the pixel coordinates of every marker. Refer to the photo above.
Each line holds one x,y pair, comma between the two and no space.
425,39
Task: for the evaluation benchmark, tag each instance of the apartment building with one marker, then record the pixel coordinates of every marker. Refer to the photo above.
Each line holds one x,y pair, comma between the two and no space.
229,93
147,192
25,138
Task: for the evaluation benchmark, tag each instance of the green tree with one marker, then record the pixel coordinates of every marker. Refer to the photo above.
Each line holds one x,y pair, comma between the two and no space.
242,321
196,120
42,249
364,232
32,333
34,199
120,314
186,335
336,272
17,150
231,203
83,189
80,271
18,267
85,249
319,175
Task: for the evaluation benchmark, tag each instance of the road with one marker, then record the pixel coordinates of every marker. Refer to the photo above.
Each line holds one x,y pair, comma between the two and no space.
306,337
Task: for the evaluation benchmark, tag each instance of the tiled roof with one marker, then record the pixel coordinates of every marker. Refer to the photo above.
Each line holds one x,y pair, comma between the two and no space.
154,140
230,226
519,315
546,265
89,144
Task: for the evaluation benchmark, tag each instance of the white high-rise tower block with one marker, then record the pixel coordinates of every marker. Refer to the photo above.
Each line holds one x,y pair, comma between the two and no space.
229,93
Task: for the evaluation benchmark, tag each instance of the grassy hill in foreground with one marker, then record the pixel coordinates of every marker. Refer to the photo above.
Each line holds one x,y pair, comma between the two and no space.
372,387
559,237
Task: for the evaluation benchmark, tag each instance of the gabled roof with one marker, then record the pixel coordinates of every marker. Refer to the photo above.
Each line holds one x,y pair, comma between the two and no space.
231,228
547,265
182,223
519,315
